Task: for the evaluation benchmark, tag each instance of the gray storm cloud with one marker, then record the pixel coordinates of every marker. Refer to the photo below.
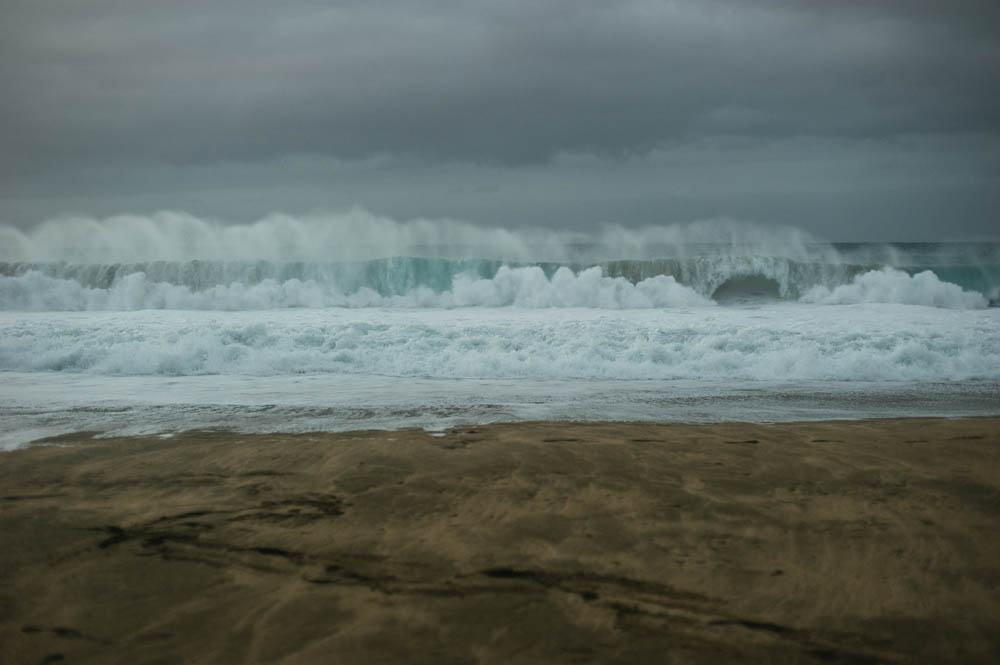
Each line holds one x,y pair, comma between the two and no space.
115,104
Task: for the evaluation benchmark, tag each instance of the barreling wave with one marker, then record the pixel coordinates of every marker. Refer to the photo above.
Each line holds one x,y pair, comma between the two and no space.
420,282
177,261
522,287
334,283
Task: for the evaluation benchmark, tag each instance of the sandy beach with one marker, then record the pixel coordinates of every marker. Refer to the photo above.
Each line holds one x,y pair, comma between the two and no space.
843,542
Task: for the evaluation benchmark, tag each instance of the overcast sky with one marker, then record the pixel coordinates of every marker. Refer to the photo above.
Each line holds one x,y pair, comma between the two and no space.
855,119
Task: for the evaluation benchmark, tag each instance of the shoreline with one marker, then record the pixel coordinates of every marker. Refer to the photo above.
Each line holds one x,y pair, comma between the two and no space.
816,541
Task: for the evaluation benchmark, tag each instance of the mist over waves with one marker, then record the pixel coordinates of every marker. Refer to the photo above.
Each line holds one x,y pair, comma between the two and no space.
356,259
165,322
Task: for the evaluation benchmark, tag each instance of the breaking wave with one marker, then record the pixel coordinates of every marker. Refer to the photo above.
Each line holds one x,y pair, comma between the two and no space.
175,261
895,286
446,283
361,295
521,287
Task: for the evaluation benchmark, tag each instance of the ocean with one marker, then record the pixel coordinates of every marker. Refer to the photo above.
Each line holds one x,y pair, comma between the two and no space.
143,325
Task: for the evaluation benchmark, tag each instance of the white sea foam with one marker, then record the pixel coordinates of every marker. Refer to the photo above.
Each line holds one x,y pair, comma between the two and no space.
521,287
529,287
895,286
775,343
176,260
510,286
508,319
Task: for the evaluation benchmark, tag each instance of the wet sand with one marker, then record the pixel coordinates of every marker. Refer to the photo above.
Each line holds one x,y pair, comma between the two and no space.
842,542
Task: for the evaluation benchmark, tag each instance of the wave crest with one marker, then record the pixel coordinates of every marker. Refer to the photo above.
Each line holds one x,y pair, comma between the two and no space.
527,287
440,283
895,286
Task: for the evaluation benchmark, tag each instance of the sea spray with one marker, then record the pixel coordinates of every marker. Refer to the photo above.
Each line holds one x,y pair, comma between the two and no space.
356,259
360,235
446,283
342,321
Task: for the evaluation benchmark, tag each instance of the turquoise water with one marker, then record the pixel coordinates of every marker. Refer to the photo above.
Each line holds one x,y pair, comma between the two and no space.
173,323
704,269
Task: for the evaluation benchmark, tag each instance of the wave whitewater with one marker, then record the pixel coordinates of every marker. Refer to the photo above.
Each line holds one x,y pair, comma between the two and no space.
176,261
446,283
802,342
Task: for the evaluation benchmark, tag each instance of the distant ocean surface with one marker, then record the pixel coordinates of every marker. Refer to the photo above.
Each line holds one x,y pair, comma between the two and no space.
143,325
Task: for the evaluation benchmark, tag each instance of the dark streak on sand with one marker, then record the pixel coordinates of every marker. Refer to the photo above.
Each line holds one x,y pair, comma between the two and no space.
62,632
542,542
31,497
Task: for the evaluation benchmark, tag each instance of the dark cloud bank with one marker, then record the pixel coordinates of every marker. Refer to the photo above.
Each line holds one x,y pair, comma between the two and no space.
853,119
